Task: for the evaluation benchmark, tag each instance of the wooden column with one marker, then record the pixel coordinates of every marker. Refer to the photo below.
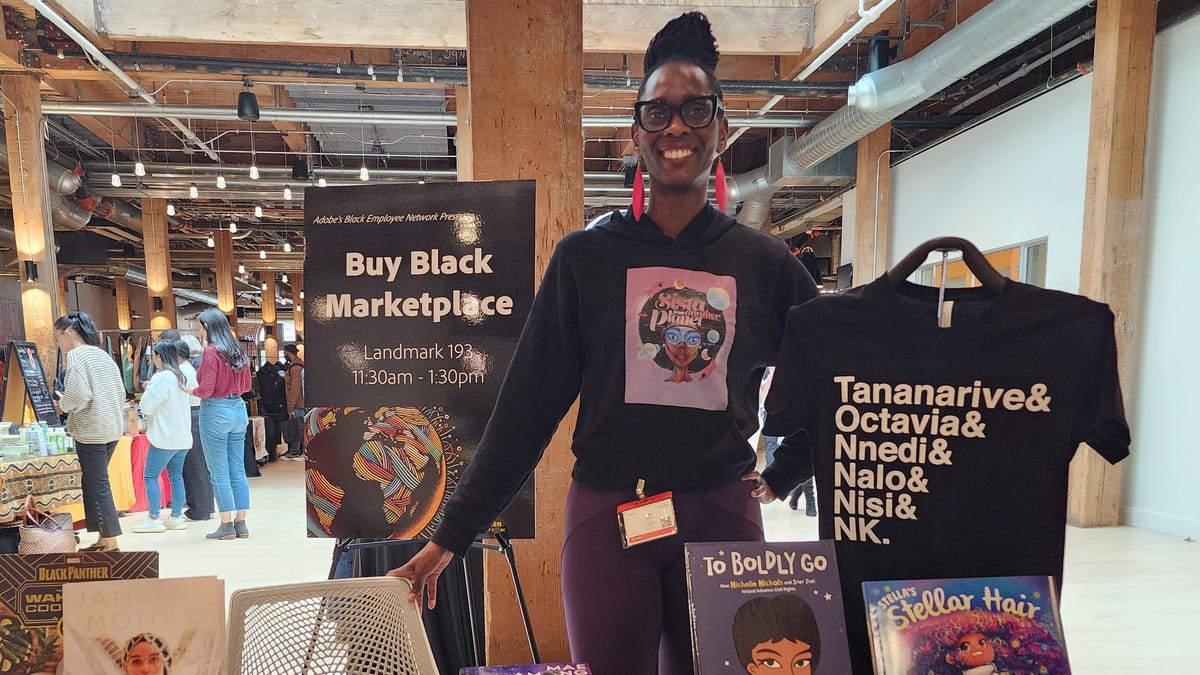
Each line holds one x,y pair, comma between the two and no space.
63,305
124,316
525,85
226,300
31,211
298,304
872,198
158,264
270,322
1112,217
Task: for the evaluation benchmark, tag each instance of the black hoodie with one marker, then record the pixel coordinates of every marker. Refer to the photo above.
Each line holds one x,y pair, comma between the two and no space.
665,342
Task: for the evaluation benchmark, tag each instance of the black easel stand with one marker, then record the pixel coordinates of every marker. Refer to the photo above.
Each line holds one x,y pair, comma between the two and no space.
504,545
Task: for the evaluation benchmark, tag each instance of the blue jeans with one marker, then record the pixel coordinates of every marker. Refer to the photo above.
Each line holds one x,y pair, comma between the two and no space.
172,460
223,434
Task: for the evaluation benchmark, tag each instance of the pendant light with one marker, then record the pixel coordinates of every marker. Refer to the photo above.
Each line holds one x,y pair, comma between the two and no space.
241,269
287,193
262,254
211,242
116,179
221,180
321,182
170,209
139,169
283,278
193,191
287,247
258,212
232,227
363,174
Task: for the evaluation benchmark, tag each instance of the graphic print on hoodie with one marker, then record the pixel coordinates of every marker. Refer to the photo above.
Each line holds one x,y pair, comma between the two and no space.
679,326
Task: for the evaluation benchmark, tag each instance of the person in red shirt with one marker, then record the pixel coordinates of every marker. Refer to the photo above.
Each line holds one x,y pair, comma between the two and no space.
224,375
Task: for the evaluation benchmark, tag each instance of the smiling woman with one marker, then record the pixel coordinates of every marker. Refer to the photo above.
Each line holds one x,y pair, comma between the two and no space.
661,324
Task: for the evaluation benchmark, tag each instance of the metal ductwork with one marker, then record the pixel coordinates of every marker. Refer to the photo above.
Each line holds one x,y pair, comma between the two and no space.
62,180
879,97
138,276
65,214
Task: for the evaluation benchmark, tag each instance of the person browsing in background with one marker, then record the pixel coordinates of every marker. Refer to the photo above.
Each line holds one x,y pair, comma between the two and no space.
165,402
609,292
224,375
93,397
294,386
196,479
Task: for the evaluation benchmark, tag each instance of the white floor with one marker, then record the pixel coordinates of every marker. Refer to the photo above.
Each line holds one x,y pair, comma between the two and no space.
1131,598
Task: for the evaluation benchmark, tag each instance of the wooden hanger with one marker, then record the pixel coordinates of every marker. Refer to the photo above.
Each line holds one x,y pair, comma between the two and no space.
979,266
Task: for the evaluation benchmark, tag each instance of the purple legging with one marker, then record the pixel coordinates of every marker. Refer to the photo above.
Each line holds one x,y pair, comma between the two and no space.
627,610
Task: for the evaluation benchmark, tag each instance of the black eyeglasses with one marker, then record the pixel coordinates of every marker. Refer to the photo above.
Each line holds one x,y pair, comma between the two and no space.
696,113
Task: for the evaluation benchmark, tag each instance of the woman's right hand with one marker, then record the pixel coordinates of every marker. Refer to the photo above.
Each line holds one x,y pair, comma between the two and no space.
423,572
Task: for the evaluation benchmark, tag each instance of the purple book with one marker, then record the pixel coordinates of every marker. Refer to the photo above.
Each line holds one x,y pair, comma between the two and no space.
535,669
992,625
757,607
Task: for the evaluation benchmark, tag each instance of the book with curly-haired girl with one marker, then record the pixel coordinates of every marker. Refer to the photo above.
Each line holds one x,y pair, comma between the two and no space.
975,626
144,627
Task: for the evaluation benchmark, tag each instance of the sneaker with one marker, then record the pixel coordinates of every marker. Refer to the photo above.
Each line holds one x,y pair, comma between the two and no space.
174,523
149,526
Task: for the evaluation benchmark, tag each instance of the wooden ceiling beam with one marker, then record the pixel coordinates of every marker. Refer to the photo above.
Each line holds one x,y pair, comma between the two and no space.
741,26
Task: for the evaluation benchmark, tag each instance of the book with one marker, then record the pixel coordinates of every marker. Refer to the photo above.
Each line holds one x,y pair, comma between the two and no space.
533,669
759,606
31,609
174,626
980,626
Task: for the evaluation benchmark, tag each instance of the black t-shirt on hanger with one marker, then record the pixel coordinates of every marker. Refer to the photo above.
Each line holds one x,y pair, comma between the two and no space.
943,452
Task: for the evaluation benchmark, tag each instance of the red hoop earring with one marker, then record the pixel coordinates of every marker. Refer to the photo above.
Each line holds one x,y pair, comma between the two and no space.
722,198
639,194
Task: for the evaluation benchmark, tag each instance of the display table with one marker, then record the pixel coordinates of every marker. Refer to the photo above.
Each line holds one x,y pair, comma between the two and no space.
258,430
54,481
119,480
137,457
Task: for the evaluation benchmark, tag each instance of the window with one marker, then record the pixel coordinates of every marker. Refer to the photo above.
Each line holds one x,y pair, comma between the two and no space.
1022,262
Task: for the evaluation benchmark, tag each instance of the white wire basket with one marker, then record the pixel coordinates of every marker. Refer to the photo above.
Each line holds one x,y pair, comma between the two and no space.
361,626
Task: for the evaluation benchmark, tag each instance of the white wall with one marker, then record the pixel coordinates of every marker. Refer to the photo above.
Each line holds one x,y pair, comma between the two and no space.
1021,177
1160,492
1013,179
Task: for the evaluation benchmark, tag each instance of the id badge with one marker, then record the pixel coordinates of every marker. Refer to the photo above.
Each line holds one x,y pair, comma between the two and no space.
647,519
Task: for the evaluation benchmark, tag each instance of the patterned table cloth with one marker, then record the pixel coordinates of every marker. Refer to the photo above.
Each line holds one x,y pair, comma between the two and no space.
54,481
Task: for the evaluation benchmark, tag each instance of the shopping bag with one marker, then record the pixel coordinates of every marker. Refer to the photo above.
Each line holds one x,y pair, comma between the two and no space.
293,430
44,532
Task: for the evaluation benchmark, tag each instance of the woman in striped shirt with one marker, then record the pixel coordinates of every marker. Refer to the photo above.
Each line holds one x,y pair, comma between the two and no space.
93,397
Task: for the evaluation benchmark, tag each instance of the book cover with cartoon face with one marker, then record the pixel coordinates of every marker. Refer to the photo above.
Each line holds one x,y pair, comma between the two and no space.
763,608
975,626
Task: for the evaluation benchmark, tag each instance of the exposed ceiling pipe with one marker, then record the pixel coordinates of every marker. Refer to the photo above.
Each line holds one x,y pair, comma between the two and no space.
138,276
62,180
881,96
446,75
1024,70
866,17
134,89
385,118
65,214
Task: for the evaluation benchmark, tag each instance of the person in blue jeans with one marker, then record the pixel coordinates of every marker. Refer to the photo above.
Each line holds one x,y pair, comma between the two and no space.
224,375
169,429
